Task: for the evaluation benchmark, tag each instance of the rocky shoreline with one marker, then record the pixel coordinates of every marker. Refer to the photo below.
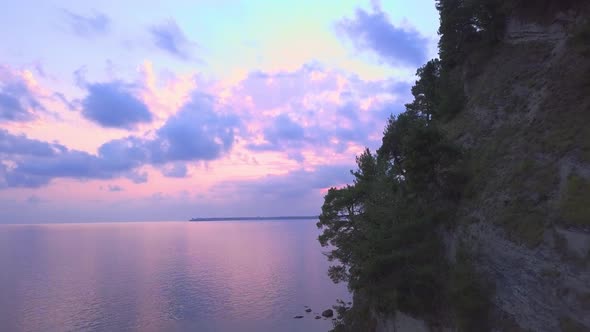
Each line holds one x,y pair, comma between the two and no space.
326,314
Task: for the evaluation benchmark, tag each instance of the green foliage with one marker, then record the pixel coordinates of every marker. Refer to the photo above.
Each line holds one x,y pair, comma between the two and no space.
581,39
451,98
470,298
582,33
466,25
425,91
438,94
524,224
567,324
357,318
528,184
383,228
575,209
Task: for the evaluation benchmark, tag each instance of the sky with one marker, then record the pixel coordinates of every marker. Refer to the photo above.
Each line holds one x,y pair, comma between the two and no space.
166,110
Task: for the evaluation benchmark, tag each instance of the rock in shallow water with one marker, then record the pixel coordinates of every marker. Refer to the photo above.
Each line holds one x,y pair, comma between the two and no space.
318,317
328,313
307,310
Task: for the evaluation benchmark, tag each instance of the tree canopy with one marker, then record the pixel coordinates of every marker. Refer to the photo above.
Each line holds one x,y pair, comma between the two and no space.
382,228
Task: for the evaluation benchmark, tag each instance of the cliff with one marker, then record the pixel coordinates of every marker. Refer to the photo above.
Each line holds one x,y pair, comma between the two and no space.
525,216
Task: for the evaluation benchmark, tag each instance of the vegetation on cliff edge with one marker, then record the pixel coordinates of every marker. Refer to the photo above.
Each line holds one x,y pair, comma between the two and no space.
385,228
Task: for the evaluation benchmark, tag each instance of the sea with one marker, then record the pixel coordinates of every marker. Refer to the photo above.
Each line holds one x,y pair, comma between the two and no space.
165,276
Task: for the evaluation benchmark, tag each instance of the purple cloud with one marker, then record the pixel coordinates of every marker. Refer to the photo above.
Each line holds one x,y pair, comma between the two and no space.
12,110
115,188
169,37
33,199
196,132
87,26
23,146
112,105
394,45
282,131
17,101
327,105
175,170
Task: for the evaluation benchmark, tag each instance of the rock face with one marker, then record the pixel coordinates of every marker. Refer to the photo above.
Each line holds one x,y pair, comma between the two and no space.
522,128
328,313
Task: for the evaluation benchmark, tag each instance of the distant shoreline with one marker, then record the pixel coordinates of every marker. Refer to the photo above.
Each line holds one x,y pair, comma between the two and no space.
255,218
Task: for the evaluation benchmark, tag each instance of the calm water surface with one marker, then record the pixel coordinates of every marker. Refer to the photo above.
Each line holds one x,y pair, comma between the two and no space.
169,276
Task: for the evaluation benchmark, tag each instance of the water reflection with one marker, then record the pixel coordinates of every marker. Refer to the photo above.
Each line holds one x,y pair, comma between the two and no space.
210,276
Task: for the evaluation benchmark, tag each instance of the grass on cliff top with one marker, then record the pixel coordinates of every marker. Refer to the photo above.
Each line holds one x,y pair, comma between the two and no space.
569,325
575,203
580,39
470,295
527,184
526,216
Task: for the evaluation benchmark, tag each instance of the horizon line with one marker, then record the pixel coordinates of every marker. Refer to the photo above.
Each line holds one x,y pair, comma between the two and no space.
254,218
